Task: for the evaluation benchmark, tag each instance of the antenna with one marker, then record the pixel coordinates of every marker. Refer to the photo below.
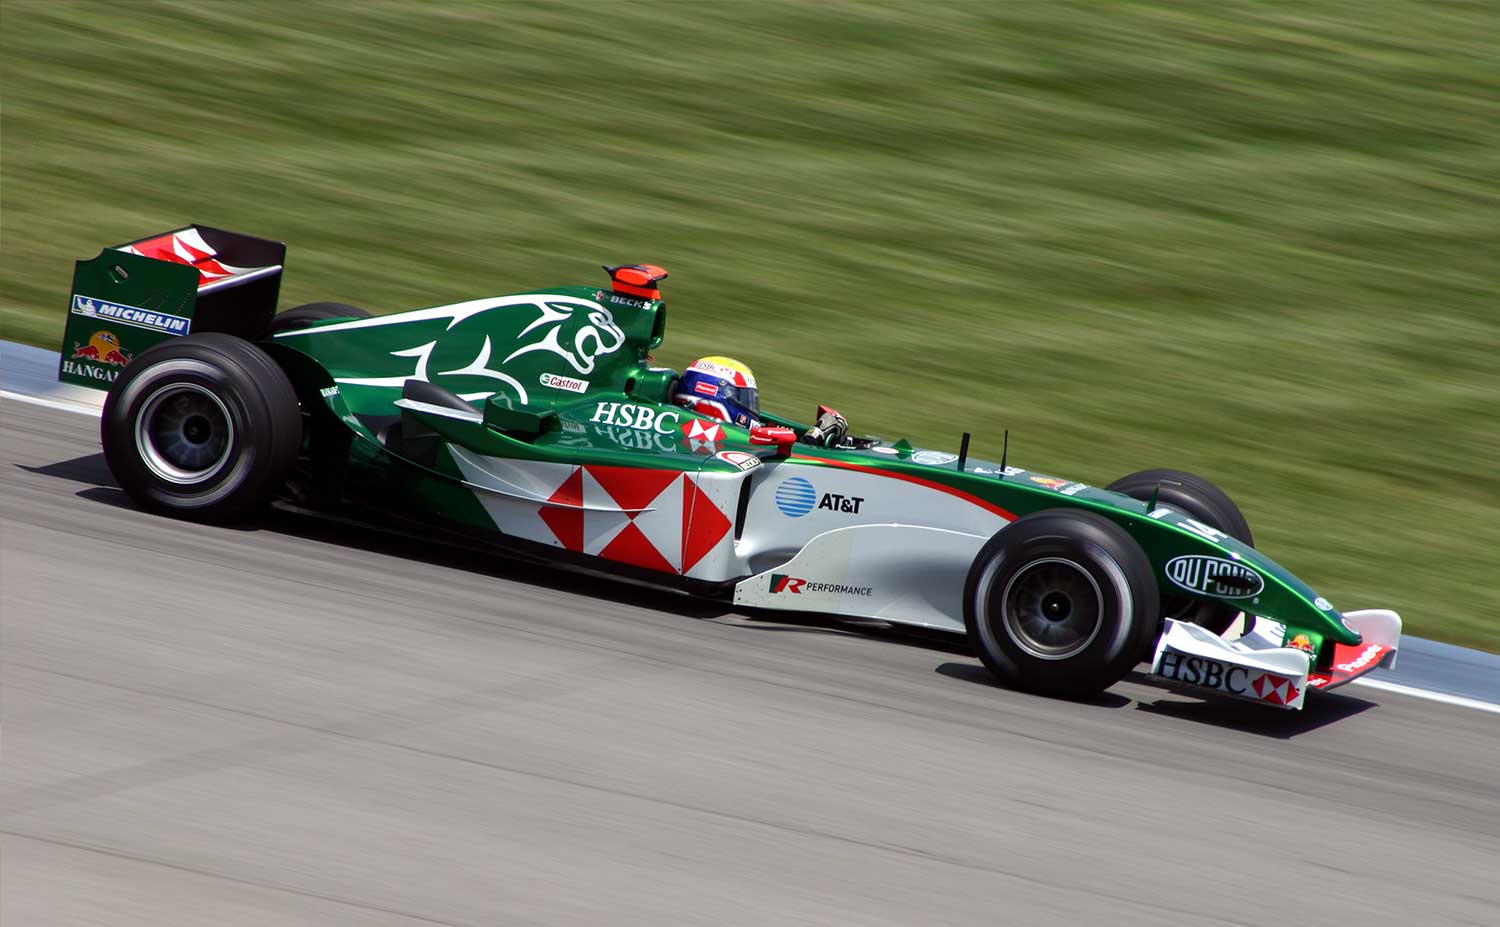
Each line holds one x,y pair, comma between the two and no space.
1156,491
1004,450
963,452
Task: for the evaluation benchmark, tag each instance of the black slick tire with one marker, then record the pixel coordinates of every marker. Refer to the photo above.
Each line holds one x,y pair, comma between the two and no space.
1061,602
204,427
1203,501
308,313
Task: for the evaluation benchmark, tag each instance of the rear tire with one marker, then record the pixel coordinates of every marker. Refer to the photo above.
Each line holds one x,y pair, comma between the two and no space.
204,427
1061,602
1198,498
308,313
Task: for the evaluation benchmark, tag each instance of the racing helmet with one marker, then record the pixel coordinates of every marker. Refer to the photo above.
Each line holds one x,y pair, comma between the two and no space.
721,388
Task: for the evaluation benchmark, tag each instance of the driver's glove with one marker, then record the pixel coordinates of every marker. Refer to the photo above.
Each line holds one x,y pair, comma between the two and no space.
829,430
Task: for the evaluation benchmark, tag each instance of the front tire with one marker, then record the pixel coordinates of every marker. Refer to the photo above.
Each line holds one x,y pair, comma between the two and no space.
1061,602
1201,500
205,427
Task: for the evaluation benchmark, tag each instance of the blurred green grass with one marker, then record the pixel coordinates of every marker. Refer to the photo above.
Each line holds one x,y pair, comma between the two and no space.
1255,241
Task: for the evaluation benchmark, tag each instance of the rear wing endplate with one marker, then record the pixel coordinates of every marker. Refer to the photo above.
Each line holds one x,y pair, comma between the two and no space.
192,279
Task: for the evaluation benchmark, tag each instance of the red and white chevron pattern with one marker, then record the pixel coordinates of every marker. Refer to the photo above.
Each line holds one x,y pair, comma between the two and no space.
702,437
1274,690
668,523
188,247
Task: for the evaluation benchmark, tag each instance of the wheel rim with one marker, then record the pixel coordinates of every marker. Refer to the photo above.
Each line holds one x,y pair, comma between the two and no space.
184,434
1052,608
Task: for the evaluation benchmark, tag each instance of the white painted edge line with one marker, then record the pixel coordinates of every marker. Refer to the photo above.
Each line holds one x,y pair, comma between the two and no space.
1428,694
51,403
1395,687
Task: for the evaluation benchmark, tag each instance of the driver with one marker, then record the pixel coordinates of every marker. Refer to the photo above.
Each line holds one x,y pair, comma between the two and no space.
723,388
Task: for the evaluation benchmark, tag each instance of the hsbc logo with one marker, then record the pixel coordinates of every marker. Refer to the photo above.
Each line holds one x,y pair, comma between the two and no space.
1214,576
635,440
630,415
1201,671
1258,685
705,432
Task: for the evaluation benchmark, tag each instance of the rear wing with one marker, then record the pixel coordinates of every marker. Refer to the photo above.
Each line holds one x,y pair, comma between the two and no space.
192,279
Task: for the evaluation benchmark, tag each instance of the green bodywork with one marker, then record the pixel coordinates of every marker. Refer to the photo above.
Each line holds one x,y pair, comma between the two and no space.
564,375
615,409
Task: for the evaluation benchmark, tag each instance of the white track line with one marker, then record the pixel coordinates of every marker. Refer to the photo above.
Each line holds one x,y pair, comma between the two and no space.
51,403
1383,686
1445,698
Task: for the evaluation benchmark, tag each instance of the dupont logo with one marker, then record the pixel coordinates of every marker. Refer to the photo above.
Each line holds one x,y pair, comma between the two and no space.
1214,576
130,315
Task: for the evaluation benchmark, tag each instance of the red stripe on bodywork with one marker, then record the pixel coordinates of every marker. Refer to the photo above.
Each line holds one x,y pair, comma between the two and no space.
940,487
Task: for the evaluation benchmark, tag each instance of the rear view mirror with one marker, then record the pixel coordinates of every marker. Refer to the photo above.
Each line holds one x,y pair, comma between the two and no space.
779,435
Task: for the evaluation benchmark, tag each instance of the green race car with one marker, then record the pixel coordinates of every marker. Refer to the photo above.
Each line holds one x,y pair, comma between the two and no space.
536,423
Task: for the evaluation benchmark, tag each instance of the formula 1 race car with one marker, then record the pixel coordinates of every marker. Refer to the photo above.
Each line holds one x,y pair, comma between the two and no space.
537,423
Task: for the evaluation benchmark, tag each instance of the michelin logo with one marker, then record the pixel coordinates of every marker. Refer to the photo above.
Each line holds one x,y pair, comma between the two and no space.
130,315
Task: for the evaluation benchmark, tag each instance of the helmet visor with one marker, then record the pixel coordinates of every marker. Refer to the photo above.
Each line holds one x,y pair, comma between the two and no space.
746,396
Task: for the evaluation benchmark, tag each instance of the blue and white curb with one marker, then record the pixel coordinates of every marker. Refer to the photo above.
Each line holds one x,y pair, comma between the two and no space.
29,375
1425,669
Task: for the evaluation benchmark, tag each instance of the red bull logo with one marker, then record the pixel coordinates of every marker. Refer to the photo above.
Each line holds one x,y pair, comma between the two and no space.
103,347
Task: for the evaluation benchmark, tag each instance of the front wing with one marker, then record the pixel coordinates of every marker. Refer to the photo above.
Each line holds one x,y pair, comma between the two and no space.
1256,666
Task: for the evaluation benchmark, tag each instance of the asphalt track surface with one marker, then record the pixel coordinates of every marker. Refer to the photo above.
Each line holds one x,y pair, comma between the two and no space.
304,723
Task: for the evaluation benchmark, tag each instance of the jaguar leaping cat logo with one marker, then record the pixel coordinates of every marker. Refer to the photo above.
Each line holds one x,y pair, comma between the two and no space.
461,359
591,341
